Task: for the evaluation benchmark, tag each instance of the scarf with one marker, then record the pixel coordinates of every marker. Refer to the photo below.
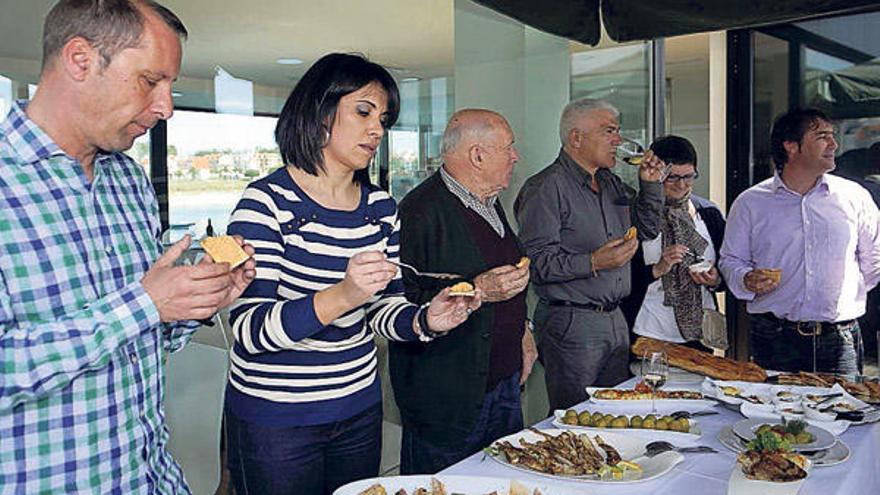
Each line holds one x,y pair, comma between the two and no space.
679,290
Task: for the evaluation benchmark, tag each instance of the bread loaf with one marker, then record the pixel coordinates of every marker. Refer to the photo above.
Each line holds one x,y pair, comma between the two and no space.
701,362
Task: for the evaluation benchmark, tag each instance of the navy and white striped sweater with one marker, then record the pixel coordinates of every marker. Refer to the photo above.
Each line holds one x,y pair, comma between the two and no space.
286,368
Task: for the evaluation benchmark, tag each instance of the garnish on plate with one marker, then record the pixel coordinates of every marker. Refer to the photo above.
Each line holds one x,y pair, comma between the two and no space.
769,458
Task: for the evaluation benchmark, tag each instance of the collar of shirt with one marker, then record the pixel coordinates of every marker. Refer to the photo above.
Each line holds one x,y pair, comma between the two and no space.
34,147
25,137
472,201
821,185
579,173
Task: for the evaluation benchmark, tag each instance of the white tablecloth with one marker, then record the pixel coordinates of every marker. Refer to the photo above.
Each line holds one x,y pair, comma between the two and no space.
708,473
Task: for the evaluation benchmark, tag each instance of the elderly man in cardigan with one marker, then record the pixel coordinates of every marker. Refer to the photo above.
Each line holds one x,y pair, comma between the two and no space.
461,392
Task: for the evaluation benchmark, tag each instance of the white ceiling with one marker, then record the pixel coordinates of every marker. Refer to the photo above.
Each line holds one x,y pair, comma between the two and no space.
246,38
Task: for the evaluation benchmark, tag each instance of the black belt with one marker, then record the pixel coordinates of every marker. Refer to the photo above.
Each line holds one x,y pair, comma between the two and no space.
601,308
809,328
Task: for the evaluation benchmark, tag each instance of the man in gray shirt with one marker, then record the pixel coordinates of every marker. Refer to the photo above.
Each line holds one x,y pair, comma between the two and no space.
573,216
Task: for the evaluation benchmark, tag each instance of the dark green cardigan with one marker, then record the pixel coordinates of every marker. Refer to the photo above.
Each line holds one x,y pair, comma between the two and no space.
439,386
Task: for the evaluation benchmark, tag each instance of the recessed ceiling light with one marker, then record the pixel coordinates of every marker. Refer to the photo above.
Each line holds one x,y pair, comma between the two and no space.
176,94
410,79
289,61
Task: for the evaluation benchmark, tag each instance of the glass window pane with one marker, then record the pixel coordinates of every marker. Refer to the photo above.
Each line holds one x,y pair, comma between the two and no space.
621,76
211,158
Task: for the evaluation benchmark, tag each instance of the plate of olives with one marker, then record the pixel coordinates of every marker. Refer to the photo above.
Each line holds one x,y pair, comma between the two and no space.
655,427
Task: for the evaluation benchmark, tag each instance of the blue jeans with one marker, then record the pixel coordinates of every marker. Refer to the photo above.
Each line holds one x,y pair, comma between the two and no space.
500,415
303,460
778,346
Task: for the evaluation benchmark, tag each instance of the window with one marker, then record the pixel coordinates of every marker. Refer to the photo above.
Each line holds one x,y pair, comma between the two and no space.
620,76
211,159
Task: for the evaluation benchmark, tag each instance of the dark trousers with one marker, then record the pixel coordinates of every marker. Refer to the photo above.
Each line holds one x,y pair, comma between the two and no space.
776,345
500,415
580,348
303,460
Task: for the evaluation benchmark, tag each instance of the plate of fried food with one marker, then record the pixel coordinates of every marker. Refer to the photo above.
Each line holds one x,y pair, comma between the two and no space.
443,485
689,399
608,457
768,467
863,388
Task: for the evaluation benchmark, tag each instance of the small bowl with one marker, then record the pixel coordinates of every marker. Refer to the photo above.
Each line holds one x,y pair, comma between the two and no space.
701,267
786,397
790,411
765,405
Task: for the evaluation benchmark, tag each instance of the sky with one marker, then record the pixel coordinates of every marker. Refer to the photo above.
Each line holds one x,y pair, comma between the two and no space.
194,131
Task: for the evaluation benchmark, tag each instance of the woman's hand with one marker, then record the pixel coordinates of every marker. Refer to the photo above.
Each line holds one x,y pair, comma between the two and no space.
709,278
447,312
366,274
671,256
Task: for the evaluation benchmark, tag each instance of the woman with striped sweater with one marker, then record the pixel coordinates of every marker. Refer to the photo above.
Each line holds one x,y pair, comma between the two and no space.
303,404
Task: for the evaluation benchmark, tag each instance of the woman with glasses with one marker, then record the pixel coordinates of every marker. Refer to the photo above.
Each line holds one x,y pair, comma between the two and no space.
674,274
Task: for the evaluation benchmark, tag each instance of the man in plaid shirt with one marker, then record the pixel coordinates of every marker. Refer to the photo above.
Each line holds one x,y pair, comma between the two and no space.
87,311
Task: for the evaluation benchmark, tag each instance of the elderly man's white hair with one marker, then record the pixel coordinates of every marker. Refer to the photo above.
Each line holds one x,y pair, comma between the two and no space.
456,131
577,109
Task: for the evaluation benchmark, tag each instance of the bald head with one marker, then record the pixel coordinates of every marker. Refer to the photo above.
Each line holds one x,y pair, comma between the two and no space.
478,150
468,127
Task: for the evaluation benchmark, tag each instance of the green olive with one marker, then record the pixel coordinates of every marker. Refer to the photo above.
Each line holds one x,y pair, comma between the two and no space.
583,418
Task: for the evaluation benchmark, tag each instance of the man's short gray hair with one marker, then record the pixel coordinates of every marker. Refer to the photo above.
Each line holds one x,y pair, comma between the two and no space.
455,131
577,109
109,25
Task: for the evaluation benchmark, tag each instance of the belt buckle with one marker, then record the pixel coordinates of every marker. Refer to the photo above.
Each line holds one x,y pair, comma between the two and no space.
816,331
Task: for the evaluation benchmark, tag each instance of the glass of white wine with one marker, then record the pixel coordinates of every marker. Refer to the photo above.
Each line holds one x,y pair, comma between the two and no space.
630,152
655,370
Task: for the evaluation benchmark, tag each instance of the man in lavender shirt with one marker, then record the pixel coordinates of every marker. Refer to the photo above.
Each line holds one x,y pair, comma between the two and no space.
822,232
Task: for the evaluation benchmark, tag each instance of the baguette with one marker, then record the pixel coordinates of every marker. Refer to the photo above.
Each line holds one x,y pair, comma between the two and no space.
701,362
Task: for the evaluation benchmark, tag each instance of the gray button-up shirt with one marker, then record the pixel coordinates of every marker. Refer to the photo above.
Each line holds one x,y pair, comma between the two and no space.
562,220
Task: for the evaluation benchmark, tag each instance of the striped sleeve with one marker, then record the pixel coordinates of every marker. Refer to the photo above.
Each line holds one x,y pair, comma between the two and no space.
261,321
391,315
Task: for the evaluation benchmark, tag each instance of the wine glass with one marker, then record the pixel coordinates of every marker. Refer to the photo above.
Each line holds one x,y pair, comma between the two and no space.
630,151
655,369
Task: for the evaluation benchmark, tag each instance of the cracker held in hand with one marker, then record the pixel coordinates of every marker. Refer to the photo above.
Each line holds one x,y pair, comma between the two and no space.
630,234
774,274
225,249
462,289
523,262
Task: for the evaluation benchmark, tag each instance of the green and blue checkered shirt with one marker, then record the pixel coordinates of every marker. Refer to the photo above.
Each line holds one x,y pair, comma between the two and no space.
81,343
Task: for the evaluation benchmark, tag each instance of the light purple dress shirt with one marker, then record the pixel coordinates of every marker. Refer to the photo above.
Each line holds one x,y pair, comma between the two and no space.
825,241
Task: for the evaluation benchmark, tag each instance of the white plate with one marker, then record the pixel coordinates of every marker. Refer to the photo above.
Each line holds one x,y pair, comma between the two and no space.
675,375
467,485
837,454
628,446
712,388
740,485
669,436
822,439
668,404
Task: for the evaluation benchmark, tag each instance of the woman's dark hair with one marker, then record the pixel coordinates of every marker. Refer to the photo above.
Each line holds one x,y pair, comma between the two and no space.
675,150
306,120
791,127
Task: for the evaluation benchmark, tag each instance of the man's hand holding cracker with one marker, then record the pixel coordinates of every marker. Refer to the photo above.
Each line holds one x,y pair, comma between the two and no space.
197,292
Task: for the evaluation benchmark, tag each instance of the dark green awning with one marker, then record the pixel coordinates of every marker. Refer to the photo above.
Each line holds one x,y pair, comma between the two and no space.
627,20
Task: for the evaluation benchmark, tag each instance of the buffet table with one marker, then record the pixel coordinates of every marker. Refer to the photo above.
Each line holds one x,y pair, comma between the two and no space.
709,473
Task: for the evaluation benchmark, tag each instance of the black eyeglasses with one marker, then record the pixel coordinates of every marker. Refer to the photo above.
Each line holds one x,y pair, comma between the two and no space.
687,178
